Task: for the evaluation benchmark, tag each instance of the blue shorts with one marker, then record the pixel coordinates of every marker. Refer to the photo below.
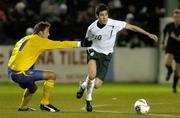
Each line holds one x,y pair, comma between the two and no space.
26,79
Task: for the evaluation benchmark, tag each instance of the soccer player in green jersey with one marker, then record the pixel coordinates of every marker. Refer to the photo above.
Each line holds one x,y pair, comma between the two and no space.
102,34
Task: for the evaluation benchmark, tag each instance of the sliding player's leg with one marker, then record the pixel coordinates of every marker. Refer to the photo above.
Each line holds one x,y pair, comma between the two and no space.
28,93
26,80
49,78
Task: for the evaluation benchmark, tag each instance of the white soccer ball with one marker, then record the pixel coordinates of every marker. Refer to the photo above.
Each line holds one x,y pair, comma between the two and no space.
141,106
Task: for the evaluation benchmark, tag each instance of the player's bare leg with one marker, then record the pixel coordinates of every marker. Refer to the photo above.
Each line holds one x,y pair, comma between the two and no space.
91,83
168,62
91,76
176,78
98,84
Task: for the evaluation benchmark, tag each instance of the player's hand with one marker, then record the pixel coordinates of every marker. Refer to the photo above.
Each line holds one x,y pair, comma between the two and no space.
174,36
86,43
154,37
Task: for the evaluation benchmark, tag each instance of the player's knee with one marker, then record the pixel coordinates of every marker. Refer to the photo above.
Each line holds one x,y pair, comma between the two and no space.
92,75
97,86
32,89
98,83
52,76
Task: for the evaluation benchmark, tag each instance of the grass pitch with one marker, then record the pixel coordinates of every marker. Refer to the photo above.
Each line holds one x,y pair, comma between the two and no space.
112,100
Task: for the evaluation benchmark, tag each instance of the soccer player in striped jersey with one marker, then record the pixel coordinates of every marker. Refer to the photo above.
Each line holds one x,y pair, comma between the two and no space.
24,55
102,34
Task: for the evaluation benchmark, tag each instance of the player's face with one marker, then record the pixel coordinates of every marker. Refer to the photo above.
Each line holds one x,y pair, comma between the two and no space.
176,17
103,17
45,33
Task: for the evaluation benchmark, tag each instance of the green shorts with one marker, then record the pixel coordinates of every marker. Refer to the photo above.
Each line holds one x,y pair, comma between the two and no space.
102,62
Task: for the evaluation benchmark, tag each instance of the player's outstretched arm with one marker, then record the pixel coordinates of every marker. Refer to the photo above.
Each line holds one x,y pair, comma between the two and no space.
140,30
50,44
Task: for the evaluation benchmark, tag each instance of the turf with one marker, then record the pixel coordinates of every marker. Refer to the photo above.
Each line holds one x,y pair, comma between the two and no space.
112,100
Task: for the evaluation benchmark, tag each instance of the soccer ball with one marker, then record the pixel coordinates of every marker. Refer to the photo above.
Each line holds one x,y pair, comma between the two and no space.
141,106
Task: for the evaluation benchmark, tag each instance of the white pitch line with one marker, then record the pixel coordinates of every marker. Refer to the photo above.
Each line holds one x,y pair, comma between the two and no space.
114,112
118,112
94,106
150,114
162,103
163,115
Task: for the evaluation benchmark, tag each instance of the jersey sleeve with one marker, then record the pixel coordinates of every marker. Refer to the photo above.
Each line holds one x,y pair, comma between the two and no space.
120,25
50,44
87,33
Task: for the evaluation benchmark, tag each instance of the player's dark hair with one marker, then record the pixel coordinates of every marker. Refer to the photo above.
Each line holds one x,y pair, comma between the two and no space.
40,26
101,7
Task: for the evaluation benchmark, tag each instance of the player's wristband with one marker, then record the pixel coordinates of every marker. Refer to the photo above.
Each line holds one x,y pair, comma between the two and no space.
78,43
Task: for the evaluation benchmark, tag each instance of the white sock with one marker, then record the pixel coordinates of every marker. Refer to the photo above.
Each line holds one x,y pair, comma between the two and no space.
84,84
90,88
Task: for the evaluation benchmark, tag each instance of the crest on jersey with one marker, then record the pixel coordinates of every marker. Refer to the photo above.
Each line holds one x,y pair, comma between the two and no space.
92,54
